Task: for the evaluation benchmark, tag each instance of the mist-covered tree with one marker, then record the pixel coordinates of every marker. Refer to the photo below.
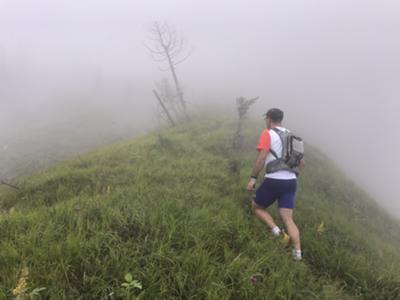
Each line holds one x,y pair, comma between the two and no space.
242,105
169,48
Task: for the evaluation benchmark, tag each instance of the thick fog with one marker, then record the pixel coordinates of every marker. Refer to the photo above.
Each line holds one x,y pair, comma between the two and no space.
73,70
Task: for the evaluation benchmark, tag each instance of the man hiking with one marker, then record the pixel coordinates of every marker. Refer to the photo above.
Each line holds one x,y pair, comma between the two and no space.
280,179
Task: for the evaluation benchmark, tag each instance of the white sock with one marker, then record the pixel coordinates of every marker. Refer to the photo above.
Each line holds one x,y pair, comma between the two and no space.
296,254
276,231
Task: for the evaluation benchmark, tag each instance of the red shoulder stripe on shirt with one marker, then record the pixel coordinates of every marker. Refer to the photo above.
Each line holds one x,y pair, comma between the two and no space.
264,142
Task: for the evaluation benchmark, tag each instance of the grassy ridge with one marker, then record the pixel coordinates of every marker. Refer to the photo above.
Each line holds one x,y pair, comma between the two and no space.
168,209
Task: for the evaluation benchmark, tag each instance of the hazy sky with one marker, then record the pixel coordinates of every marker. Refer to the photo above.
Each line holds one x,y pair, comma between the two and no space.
333,66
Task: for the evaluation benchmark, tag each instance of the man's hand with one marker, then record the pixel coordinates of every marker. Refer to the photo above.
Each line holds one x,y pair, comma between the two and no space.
302,165
260,163
251,185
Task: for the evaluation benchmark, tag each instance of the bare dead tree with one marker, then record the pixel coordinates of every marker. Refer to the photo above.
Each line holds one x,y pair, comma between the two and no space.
170,48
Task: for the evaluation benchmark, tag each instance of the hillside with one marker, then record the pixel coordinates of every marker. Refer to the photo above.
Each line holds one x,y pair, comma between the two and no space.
170,209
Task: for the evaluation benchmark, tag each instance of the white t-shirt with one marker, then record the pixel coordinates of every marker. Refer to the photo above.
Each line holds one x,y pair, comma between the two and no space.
276,145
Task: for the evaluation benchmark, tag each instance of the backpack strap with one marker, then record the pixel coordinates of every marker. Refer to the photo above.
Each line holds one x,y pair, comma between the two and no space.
278,132
273,153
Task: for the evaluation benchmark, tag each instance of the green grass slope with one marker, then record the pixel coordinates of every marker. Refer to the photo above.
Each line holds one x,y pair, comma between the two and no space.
170,209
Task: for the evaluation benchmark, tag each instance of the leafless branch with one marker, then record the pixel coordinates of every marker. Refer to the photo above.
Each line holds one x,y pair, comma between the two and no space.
164,69
161,102
2,182
154,50
183,59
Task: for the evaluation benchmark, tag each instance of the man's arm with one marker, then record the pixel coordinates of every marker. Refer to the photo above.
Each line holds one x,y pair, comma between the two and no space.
259,165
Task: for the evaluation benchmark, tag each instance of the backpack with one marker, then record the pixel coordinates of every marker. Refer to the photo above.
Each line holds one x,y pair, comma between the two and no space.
292,153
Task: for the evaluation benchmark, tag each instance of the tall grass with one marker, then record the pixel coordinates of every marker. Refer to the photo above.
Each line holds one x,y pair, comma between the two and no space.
167,209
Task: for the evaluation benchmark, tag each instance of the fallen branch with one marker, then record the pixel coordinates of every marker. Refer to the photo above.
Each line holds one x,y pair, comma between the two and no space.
164,107
2,182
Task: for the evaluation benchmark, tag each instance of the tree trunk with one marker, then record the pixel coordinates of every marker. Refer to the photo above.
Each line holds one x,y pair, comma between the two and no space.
177,86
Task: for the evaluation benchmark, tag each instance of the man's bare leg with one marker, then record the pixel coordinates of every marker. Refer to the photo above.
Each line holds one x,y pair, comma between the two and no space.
263,215
287,218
